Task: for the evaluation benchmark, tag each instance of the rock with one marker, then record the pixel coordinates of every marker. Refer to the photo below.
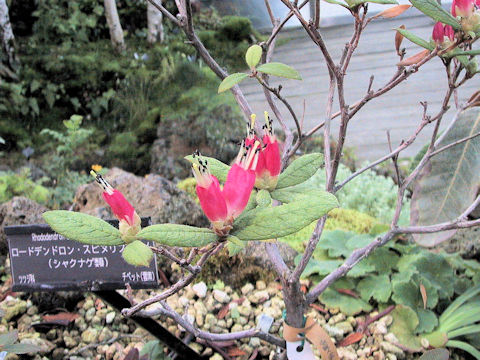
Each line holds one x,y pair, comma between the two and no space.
379,328
259,296
333,331
392,349
212,134
260,285
89,336
90,314
391,338
105,334
110,317
58,354
200,289
69,342
247,288
344,326
151,195
346,354
216,357
18,211
378,355
254,342
221,296
13,307
44,345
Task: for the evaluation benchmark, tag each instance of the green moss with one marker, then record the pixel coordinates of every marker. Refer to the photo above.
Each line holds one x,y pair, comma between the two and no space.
188,185
13,184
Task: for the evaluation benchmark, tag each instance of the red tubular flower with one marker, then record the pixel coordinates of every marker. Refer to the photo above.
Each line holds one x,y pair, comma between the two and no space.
449,32
223,206
269,164
463,8
121,208
438,33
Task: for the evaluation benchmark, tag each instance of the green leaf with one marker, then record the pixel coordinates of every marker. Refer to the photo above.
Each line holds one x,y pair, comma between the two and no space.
83,228
137,253
230,81
435,354
348,305
8,338
450,181
405,321
335,242
427,320
234,245
465,347
406,290
21,348
253,55
217,168
432,267
279,69
178,235
415,39
300,170
153,350
263,198
470,52
434,10
314,266
278,221
377,287
384,260
363,268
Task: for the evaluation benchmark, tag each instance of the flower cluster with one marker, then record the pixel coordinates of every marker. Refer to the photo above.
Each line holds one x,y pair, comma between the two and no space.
130,222
269,162
467,12
222,206
257,164
440,31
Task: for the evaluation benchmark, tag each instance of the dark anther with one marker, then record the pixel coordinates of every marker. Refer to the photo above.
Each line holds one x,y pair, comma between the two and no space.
299,348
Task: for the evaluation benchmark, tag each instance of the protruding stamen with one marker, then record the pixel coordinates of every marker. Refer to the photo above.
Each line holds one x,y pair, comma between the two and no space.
200,170
252,153
102,182
268,124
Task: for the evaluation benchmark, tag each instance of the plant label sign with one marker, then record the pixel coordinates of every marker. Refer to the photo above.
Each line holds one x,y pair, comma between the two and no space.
43,260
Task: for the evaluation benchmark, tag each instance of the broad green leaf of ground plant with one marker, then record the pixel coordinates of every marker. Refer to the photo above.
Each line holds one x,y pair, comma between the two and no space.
83,228
278,221
137,253
314,266
415,39
406,290
435,354
377,287
405,321
178,235
434,10
347,304
300,170
253,55
449,183
279,69
230,81
217,168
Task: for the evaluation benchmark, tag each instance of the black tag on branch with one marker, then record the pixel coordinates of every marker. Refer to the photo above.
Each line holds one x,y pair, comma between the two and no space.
43,260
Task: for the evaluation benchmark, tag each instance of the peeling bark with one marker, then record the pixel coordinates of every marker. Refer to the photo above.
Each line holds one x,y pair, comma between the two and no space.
6,38
113,21
155,25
